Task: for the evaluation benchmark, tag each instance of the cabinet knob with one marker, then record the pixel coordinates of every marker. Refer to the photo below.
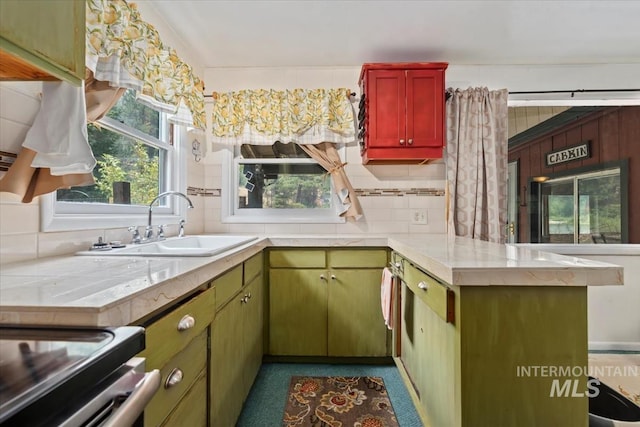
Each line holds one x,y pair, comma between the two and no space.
333,277
187,322
244,299
248,295
410,141
423,286
175,377
322,277
402,142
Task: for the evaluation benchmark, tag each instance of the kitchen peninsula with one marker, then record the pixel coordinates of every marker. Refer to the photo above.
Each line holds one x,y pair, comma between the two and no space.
471,313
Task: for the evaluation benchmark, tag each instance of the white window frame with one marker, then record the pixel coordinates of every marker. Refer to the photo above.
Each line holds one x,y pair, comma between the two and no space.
231,214
69,216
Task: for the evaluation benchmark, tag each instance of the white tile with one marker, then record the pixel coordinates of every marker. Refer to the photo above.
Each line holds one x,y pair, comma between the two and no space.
331,229
67,242
18,247
211,227
379,214
246,228
358,227
388,227
401,215
18,106
274,229
12,135
19,218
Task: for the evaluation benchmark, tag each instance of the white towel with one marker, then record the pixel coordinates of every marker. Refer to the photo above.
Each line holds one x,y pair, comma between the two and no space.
59,132
386,297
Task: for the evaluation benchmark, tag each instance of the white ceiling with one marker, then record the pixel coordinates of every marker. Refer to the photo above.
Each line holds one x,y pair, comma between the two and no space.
269,33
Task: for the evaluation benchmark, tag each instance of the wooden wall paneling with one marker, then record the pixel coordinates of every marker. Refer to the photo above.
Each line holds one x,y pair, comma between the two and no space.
629,146
535,159
523,211
590,133
559,141
609,135
546,145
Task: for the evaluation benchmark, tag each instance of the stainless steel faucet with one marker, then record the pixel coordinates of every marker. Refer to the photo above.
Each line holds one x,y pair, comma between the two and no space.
148,234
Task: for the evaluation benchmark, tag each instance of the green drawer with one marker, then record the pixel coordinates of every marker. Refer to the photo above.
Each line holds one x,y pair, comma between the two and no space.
227,285
357,258
192,362
297,258
433,293
170,334
252,268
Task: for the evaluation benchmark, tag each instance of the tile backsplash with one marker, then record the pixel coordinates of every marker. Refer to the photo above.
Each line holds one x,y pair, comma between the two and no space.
391,195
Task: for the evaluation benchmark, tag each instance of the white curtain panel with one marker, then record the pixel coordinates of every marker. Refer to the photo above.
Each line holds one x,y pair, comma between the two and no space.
476,161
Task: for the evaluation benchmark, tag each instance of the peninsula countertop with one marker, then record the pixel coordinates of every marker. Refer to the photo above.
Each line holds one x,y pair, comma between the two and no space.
118,290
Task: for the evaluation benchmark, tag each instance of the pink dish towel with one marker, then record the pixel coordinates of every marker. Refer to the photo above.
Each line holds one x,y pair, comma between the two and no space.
386,297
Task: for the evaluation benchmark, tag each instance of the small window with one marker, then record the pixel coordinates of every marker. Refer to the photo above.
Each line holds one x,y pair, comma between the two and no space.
136,160
278,183
587,208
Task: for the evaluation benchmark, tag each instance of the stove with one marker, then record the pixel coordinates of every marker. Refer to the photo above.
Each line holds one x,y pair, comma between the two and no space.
48,374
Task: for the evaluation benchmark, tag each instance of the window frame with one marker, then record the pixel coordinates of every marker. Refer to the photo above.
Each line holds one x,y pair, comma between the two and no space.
69,216
536,214
232,215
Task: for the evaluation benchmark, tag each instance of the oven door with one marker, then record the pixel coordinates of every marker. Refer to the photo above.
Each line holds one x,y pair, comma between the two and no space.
117,401
49,374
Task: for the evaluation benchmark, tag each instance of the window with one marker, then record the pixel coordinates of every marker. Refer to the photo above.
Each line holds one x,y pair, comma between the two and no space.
137,156
585,208
278,183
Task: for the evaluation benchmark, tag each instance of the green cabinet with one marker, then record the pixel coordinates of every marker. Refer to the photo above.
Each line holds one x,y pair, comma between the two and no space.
326,302
462,348
236,341
176,344
42,40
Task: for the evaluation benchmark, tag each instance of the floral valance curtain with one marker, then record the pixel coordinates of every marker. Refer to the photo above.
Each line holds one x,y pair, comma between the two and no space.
127,52
303,116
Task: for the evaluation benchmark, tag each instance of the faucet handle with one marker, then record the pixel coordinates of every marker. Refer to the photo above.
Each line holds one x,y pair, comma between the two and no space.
135,234
148,232
181,231
161,231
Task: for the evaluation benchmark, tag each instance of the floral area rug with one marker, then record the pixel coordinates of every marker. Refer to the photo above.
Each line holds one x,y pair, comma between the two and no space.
338,402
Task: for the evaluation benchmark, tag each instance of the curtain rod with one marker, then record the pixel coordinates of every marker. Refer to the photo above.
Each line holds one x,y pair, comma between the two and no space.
215,94
532,92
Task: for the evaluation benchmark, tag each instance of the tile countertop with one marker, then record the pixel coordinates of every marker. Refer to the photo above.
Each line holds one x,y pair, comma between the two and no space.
114,291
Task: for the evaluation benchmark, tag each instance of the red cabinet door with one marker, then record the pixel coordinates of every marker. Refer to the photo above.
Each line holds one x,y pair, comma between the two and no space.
386,108
425,99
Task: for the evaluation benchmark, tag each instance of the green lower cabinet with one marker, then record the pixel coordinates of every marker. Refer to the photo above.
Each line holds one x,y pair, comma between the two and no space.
468,373
298,312
192,410
355,323
326,311
236,352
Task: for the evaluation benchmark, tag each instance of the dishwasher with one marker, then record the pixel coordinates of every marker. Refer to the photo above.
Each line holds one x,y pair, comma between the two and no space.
73,377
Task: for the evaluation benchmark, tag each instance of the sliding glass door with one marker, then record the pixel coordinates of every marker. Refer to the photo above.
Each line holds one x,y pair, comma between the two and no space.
584,208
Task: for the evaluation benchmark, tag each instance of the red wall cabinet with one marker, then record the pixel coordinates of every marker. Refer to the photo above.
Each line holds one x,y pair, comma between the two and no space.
401,112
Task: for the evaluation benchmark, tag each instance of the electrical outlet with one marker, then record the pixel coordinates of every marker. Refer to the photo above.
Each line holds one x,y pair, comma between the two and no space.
418,217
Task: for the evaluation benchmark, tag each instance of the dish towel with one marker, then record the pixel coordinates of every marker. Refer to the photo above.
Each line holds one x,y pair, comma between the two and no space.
386,297
59,132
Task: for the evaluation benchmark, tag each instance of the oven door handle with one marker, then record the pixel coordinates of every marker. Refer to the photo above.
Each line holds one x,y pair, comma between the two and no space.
131,409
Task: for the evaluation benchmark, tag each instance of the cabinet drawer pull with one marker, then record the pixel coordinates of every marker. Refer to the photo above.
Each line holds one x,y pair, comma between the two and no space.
244,299
322,277
410,141
402,142
174,378
423,286
187,322
333,277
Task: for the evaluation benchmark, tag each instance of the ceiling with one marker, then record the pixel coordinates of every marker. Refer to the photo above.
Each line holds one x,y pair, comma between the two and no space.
269,33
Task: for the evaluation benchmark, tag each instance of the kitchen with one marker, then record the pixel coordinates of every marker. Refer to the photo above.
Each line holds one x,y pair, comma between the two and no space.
22,238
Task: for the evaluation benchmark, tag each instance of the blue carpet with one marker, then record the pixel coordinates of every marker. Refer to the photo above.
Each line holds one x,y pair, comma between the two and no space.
265,405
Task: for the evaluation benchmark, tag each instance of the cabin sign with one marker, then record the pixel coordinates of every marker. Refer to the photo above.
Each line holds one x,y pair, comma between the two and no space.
576,152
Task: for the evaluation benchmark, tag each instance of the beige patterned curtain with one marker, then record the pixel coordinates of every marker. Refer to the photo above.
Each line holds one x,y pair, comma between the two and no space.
303,116
327,156
127,52
476,160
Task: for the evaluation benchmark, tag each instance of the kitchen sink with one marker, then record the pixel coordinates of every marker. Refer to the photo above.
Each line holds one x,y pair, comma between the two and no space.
177,246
